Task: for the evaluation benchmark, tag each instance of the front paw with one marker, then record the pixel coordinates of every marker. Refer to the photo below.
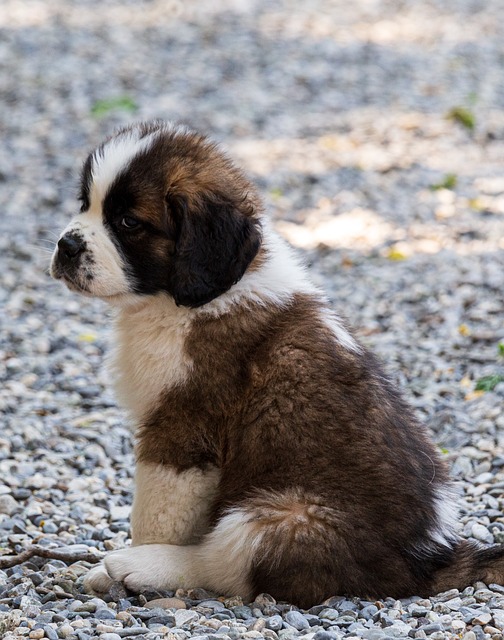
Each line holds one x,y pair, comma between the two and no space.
98,580
120,566
137,567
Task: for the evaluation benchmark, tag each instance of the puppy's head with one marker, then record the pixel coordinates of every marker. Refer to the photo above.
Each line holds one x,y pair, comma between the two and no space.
162,210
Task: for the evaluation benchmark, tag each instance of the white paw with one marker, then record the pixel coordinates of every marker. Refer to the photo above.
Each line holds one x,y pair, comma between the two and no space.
139,567
98,580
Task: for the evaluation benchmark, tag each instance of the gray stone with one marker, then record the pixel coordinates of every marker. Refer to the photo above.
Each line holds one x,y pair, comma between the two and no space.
79,606
329,614
49,527
398,629
297,620
483,618
454,604
324,635
498,619
373,634
242,612
65,630
480,532
50,633
431,628
275,623
105,614
8,504
183,617
368,611
167,620
446,595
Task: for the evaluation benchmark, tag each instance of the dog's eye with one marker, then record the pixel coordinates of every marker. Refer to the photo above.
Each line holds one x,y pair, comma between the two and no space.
130,223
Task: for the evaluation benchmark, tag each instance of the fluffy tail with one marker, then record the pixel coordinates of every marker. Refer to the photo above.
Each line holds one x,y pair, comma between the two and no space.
470,563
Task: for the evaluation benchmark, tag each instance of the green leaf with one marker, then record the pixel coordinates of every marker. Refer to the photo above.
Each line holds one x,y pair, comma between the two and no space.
463,116
500,348
103,107
448,182
488,383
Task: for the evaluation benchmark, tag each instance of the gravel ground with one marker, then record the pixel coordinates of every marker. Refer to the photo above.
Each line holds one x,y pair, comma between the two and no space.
375,129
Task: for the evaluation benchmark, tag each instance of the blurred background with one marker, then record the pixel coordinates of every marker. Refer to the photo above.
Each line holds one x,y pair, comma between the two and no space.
365,123
374,130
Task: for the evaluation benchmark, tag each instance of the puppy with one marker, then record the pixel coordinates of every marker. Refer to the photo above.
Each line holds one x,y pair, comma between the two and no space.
273,454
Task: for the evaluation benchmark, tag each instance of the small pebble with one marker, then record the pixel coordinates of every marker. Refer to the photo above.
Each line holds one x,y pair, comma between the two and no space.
297,620
183,617
8,504
480,532
65,630
50,633
275,623
373,633
105,614
329,614
482,618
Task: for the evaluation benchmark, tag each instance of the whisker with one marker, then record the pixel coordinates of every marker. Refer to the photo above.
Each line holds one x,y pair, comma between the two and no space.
53,233
50,242
44,250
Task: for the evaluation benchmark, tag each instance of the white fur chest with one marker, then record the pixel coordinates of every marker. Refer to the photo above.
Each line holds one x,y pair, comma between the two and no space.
149,355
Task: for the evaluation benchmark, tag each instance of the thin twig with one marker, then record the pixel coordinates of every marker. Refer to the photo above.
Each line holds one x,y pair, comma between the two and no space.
53,554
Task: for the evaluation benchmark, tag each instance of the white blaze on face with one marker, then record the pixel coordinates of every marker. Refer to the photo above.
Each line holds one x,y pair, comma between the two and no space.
102,271
112,159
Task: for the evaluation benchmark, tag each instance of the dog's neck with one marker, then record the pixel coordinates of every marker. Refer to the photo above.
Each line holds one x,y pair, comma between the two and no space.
151,331
273,277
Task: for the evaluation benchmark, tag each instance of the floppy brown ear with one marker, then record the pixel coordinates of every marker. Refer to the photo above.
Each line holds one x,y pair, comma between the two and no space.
215,244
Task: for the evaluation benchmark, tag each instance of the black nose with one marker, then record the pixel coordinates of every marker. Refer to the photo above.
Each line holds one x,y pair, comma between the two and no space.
70,247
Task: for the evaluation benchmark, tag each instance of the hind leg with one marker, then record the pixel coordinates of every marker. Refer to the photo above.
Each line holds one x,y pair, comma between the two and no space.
287,544
281,544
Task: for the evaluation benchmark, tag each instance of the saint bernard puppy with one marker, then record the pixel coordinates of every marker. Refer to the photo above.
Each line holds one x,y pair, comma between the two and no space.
273,454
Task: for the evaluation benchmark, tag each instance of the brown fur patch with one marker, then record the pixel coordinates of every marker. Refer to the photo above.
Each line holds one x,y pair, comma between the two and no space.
469,562
281,407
